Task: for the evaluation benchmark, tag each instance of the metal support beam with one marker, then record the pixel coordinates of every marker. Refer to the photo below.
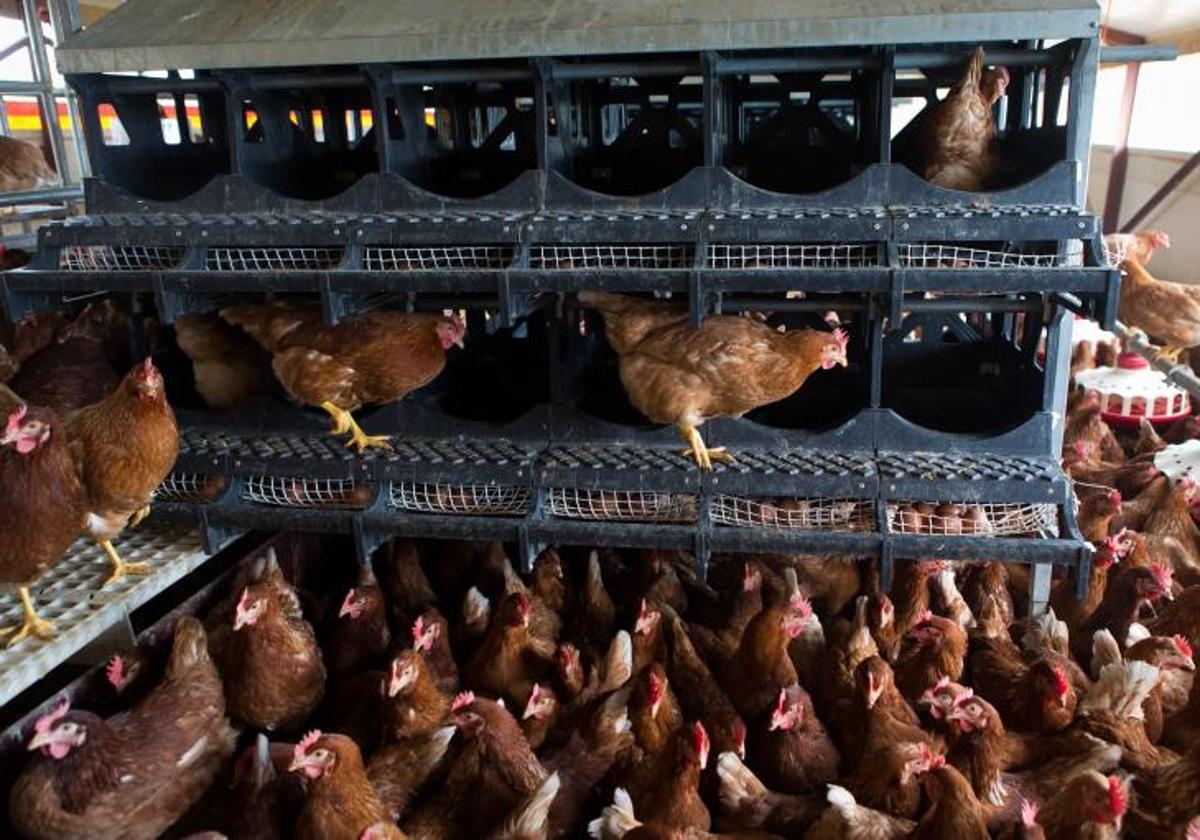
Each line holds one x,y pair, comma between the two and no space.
41,74
1120,157
1164,192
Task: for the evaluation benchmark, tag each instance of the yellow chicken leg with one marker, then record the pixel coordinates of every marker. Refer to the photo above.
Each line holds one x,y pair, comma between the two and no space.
343,421
701,454
140,515
341,418
31,625
120,567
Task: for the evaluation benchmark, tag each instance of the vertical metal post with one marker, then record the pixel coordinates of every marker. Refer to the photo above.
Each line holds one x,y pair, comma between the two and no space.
1079,113
1058,363
1039,588
886,88
715,122
64,17
41,75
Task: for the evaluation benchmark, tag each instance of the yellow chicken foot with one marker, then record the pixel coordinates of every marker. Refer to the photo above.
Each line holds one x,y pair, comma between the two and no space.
137,518
701,454
343,421
31,625
341,418
120,567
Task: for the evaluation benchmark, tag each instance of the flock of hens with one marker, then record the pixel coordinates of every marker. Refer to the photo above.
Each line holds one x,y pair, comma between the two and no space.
611,694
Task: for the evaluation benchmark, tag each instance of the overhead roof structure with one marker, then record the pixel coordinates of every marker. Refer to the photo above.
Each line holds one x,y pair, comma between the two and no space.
165,34
1158,21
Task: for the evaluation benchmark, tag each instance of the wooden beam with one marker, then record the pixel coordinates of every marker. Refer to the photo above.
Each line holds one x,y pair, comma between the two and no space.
1164,192
1120,157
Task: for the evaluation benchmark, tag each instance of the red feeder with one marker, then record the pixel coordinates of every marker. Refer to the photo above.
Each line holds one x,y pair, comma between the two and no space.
1133,390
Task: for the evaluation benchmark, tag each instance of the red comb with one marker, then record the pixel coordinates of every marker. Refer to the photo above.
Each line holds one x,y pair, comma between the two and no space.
306,743
1117,800
1162,575
924,618
1182,645
800,604
348,607
1029,812
842,337
418,632
115,671
750,578
462,700
1060,682
699,737
44,723
781,705
243,601
14,419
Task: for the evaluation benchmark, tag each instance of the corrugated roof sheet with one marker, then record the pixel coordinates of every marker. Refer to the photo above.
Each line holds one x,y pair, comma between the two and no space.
157,34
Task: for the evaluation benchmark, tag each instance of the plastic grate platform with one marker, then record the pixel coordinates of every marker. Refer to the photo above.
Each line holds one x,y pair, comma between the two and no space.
480,452
593,215
853,255
621,505
118,258
615,457
968,211
812,462
568,257
70,595
801,213
281,447
793,514
328,493
273,259
954,519
386,258
461,499
934,466
937,255
191,488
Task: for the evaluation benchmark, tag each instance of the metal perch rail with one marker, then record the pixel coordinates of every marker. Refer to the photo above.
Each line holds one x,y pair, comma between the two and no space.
1181,375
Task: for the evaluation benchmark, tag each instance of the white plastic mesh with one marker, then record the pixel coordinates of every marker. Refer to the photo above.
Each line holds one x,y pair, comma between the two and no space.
934,255
621,505
793,256
273,259
381,258
793,514
1114,250
953,519
609,256
117,258
190,487
280,491
470,499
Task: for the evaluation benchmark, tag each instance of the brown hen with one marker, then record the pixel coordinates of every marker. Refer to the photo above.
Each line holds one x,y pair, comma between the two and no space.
372,358
683,375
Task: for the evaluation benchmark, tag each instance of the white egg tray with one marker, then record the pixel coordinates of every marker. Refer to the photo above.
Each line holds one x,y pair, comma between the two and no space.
70,595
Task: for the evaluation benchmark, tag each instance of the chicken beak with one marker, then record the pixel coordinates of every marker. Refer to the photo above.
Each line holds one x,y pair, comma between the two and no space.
41,739
297,765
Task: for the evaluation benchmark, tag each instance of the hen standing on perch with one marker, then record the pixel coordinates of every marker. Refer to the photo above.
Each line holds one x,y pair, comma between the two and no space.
372,358
680,374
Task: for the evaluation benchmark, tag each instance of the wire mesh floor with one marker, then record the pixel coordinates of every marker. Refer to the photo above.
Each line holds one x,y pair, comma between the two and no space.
793,514
191,488
461,499
290,492
70,595
621,505
972,520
